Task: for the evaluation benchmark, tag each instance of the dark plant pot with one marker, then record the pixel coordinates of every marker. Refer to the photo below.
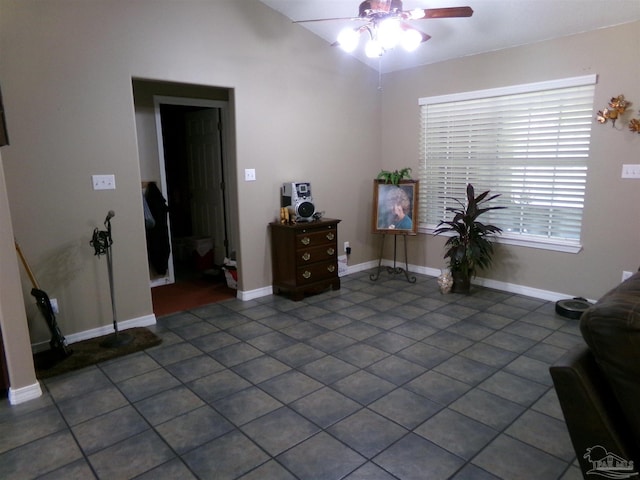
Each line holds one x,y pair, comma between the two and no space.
461,283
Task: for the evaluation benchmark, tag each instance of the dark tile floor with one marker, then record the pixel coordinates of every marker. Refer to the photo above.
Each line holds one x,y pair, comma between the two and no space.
378,380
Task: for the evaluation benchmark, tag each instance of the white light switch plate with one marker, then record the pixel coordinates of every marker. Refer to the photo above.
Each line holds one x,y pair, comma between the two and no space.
104,182
249,174
630,171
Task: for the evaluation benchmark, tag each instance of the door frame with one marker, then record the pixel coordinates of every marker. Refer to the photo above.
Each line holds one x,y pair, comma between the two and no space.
223,106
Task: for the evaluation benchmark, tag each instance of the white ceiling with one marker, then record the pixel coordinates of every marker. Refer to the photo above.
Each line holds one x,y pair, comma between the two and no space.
495,24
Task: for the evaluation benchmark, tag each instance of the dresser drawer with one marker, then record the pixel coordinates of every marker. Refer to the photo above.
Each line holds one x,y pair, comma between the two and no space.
316,254
316,271
314,238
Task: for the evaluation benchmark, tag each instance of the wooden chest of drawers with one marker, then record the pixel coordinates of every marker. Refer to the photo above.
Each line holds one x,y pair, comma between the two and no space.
304,257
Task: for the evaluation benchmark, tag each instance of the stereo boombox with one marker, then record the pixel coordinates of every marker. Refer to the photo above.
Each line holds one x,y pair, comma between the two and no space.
296,196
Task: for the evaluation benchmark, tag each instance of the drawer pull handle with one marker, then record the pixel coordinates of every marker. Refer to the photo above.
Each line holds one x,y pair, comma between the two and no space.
330,251
330,236
331,268
306,256
305,241
306,274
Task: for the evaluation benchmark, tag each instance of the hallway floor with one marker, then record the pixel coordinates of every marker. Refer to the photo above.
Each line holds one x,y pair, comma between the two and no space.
378,380
189,293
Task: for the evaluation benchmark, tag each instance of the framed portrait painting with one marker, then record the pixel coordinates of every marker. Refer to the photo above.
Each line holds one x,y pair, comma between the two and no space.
395,207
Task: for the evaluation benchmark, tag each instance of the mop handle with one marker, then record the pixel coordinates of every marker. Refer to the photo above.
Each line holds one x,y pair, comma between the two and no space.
32,277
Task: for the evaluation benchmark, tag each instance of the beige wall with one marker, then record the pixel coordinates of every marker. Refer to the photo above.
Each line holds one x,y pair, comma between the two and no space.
611,233
303,111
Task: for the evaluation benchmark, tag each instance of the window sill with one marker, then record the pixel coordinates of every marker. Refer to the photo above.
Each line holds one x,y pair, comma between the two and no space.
530,242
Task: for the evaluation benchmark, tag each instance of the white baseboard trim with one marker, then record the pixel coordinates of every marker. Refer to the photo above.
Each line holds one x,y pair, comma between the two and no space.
360,267
484,282
432,272
253,294
523,290
24,394
144,321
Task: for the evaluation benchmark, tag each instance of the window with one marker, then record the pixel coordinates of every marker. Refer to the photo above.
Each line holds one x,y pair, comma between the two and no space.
529,143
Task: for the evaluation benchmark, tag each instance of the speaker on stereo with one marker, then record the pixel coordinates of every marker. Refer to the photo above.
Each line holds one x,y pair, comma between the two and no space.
297,197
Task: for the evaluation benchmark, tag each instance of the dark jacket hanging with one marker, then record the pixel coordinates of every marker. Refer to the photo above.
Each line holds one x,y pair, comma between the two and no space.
158,236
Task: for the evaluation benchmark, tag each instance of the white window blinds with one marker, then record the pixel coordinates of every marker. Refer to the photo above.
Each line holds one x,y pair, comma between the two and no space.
529,143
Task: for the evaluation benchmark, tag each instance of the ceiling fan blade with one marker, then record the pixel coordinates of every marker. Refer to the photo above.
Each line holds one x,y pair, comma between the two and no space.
424,36
449,12
328,19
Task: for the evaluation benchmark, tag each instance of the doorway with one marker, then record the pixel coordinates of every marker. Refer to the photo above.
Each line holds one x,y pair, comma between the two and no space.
194,175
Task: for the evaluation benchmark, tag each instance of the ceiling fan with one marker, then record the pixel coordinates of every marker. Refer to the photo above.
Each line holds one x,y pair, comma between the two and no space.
386,24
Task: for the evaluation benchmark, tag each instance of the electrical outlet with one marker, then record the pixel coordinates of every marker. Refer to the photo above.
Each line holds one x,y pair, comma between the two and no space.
626,275
346,245
104,182
249,174
54,305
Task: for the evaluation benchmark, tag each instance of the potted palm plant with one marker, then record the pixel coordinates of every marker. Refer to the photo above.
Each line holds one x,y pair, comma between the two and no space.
471,247
394,177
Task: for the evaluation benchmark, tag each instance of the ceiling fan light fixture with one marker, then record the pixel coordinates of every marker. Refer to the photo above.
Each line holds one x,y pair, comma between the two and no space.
385,22
348,39
373,49
389,33
411,40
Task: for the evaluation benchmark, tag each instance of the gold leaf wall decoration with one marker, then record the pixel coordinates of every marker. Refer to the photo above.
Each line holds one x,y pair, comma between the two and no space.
634,125
616,108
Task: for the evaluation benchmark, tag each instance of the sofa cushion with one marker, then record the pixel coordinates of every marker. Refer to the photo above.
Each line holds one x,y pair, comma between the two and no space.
611,328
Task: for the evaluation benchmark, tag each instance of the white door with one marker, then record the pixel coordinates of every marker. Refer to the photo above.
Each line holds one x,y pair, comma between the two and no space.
206,184
209,174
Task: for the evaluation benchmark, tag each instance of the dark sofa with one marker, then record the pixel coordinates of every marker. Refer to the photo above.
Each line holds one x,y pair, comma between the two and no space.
598,385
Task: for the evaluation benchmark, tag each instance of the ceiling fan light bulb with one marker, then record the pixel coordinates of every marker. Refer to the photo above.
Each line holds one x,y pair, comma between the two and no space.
411,40
389,33
348,39
373,49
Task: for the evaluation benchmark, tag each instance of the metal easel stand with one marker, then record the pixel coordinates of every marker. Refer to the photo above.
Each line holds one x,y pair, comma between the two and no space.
395,269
